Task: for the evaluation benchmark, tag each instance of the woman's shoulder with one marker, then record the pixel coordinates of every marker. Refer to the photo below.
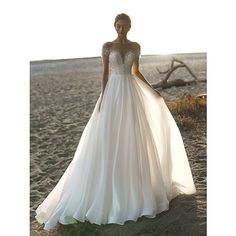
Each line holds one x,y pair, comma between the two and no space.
107,45
135,45
106,48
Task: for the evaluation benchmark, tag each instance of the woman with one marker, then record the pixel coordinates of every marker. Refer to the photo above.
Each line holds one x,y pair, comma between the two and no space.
122,45
130,161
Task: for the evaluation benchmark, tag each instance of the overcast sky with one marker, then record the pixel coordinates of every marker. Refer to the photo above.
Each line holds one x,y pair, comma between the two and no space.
72,29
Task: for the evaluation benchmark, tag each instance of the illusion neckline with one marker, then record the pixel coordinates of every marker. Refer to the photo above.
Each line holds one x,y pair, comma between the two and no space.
126,53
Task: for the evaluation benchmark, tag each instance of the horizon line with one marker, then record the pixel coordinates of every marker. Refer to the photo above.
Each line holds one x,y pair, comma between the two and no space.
94,57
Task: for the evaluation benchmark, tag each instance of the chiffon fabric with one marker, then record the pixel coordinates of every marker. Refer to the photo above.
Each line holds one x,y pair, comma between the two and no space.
130,160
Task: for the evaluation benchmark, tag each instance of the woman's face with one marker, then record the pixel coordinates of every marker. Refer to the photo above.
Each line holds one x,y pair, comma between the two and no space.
122,28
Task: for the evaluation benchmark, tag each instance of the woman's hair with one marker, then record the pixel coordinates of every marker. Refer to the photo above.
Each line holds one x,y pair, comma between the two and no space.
124,17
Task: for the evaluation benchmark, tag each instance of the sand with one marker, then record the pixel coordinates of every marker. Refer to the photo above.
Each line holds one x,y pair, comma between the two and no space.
63,94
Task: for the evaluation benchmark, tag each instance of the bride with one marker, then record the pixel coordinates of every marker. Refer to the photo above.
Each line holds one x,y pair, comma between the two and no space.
130,160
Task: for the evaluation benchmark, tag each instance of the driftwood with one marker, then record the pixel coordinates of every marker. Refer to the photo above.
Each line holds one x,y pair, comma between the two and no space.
202,95
164,83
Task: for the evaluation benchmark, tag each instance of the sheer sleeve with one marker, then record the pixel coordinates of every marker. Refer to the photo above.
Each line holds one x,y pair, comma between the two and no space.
105,50
137,50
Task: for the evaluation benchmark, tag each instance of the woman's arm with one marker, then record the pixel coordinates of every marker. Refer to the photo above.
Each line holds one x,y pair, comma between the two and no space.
105,60
135,68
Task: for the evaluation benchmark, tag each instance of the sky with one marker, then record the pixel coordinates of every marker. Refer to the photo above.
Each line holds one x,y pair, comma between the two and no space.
73,29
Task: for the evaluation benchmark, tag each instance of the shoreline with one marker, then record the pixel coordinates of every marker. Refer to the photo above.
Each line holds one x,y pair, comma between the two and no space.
203,54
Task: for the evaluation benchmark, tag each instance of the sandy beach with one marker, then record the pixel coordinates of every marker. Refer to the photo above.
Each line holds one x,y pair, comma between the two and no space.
63,94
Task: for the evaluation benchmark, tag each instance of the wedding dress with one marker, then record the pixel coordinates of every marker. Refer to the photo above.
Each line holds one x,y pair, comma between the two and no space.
130,160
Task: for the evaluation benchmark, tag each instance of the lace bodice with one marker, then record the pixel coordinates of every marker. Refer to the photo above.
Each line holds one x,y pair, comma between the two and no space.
119,64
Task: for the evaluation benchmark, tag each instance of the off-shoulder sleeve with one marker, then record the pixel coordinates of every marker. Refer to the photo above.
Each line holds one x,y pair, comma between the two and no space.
138,50
105,50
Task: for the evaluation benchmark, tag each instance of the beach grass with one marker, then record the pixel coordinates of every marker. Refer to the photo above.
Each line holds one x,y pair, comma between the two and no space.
188,109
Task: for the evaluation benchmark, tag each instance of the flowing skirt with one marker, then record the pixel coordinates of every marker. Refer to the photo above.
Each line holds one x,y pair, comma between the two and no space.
130,161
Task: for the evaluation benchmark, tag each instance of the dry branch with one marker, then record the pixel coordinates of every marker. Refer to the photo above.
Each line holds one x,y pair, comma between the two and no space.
164,83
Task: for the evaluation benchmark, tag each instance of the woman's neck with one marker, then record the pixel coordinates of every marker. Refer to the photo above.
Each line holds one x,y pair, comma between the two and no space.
121,40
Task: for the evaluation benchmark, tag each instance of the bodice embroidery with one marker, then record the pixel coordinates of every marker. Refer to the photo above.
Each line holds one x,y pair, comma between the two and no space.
118,63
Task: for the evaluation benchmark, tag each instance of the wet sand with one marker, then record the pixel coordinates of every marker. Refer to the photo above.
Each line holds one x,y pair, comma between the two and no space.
63,94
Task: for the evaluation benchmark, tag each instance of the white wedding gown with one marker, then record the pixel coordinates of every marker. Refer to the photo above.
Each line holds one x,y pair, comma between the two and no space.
130,160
